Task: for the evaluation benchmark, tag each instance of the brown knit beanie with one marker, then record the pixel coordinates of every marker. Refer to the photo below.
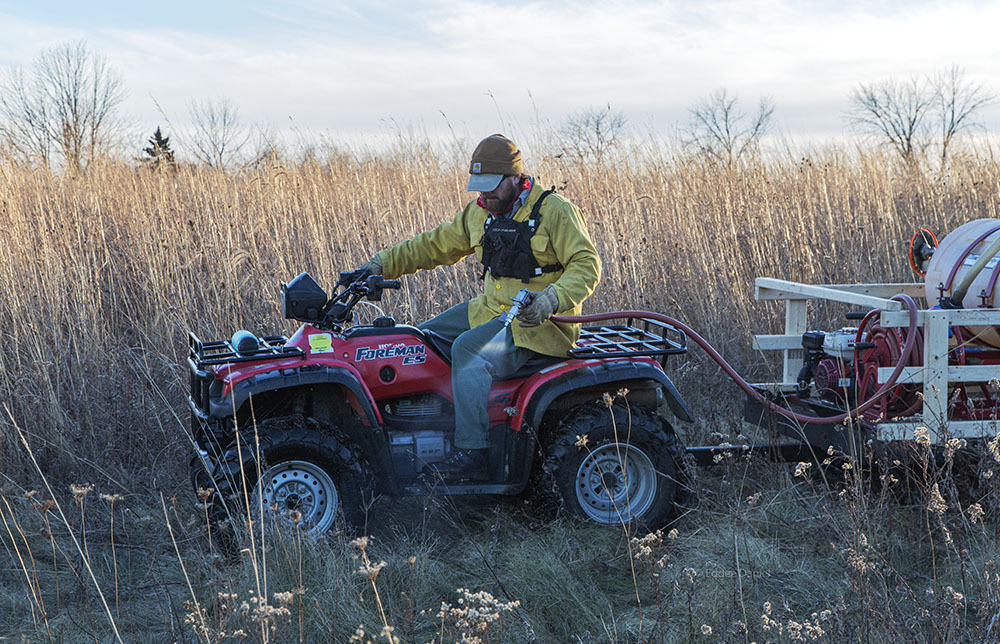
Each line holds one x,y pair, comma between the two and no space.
496,154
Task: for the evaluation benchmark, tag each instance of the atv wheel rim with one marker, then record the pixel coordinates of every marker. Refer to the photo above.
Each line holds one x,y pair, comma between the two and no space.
616,483
299,487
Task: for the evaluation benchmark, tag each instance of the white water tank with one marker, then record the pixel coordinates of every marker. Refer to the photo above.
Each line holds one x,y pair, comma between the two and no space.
953,259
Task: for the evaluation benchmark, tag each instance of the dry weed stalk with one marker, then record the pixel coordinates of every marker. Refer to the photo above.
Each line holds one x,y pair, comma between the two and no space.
473,614
31,578
66,523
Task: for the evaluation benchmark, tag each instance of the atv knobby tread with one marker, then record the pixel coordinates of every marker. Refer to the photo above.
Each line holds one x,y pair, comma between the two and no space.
289,435
642,427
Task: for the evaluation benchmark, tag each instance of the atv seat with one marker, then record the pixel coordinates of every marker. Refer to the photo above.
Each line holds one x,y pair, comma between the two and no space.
439,342
534,364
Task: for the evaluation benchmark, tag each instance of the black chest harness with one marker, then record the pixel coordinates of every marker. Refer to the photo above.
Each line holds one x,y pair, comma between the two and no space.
507,245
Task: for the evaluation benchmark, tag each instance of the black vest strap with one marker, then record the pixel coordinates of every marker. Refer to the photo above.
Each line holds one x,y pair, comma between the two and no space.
507,245
535,218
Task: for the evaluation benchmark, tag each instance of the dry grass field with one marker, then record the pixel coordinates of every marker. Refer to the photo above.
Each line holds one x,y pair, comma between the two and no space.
102,275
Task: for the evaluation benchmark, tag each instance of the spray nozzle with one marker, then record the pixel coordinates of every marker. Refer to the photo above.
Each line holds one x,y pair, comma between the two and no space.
518,302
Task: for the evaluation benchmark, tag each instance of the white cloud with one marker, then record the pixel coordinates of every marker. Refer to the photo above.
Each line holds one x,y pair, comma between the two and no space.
337,67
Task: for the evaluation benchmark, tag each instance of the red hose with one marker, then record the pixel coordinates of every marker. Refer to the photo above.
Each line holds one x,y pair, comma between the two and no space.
743,384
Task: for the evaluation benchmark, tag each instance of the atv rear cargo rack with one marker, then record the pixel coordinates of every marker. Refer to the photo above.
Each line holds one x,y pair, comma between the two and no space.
655,338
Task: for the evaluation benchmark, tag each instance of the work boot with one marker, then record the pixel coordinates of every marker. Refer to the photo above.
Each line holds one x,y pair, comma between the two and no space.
463,464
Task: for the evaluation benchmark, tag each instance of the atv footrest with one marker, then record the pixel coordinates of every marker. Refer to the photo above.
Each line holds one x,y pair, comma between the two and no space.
461,488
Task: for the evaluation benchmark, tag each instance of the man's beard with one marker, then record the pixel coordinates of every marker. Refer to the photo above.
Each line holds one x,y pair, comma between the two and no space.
499,206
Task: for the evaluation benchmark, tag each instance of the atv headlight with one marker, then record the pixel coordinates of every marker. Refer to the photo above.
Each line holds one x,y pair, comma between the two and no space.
303,299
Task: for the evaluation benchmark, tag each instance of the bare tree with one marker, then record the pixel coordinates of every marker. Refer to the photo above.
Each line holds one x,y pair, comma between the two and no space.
69,103
84,93
592,133
721,129
219,135
24,122
957,101
906,114
896,112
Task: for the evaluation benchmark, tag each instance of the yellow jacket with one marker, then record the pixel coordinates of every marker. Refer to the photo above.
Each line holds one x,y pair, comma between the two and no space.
562,237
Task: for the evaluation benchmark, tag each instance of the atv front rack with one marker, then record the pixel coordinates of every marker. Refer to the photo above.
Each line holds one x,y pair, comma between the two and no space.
655,338
202,354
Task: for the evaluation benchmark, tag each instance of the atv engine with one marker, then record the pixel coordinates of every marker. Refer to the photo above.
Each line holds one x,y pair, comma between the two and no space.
420,431
416,406
412,451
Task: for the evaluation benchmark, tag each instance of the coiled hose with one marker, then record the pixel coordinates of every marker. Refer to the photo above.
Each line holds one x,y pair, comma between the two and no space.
743,384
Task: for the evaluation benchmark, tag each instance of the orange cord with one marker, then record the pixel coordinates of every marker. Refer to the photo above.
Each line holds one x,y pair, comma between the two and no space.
913,264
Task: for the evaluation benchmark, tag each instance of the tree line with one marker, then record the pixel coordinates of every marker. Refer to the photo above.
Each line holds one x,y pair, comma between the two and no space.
66,110
912,117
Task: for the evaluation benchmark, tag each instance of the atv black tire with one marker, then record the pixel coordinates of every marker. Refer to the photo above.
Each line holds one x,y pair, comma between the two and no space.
618,465
306,473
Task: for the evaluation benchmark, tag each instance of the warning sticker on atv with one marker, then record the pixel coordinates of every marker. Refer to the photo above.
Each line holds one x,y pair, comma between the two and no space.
321,343
411,353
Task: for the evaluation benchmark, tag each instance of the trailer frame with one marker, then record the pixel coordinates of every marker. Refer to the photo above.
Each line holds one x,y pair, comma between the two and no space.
935,374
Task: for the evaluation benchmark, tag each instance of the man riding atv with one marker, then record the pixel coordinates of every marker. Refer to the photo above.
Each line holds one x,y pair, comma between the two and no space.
526,237
316,425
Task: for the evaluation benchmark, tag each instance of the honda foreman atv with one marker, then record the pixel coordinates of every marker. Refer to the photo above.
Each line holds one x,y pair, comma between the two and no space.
313,426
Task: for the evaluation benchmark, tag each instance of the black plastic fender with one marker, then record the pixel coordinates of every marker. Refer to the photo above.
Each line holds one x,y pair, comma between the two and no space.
286,377
606,373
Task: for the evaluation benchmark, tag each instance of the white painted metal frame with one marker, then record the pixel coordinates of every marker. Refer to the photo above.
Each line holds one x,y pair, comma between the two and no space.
935,374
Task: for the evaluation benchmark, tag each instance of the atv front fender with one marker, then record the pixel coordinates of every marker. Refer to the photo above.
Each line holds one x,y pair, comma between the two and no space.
611,375
287,377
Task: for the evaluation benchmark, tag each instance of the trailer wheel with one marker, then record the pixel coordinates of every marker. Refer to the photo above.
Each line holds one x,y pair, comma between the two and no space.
299,473
618,465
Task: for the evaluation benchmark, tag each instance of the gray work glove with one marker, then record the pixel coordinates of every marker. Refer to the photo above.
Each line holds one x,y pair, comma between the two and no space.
372,267
541,304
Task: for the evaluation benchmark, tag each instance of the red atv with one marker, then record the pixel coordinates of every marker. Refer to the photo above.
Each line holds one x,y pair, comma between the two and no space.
315,425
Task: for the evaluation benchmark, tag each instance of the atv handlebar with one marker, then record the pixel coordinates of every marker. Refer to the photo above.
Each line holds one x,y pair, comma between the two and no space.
390,284
362,278
357,285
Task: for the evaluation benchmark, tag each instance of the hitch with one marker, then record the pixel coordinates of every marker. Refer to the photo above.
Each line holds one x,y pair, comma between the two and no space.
711,455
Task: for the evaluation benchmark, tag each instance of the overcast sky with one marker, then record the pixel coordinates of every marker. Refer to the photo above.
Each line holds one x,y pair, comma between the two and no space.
351,68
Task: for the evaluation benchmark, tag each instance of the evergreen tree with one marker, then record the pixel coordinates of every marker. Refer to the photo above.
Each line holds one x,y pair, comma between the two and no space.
159,151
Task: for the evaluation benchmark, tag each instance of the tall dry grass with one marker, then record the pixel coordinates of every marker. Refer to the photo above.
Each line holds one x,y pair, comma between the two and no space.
102,275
